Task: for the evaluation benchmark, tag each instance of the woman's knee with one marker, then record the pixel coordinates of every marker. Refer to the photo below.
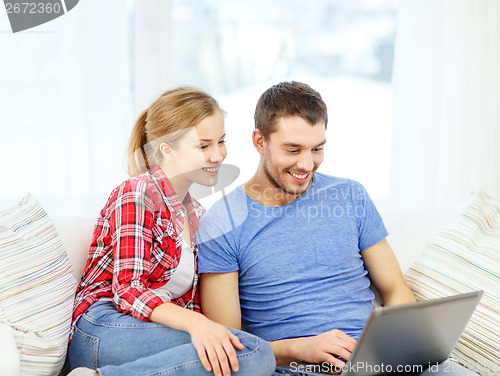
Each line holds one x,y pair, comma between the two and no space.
257,358
268,365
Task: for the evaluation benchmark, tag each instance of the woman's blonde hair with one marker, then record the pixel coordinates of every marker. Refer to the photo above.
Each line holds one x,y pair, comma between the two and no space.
166,120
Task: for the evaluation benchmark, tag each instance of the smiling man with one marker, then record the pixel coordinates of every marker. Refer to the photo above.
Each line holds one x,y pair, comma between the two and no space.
289,255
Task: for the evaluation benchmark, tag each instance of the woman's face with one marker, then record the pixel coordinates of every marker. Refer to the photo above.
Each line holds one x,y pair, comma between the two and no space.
199,154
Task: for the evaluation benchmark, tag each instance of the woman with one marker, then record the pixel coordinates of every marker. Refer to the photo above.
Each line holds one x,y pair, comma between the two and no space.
137,308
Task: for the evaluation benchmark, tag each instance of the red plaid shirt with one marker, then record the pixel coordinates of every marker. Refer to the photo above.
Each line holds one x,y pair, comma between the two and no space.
136,247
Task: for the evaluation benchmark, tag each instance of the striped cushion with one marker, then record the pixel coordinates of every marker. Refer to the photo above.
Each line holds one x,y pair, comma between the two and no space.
466,257
36,287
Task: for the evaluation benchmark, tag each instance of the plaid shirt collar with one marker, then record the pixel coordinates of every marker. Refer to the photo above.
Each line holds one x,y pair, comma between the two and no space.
172,201
174,204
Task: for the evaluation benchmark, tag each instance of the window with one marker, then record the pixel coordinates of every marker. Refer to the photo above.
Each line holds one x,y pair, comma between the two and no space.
235,49
71,88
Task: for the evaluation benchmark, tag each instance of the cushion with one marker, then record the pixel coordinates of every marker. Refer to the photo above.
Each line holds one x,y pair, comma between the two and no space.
466,257
36,287
9,356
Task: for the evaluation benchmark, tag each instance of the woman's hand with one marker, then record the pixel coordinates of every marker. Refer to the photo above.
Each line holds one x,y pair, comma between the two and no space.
215,345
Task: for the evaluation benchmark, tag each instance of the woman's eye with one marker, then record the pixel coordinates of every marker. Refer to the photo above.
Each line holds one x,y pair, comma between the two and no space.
222,142
203,147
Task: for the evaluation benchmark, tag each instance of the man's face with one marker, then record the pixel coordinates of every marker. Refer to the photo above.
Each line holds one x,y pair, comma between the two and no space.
293,153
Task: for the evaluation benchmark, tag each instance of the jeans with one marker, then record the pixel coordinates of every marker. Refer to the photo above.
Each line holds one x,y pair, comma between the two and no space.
118,344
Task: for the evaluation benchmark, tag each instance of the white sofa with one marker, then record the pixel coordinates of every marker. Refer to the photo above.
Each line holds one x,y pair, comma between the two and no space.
76,235
409,233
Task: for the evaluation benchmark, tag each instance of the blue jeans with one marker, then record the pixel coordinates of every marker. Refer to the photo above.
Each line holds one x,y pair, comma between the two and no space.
118,344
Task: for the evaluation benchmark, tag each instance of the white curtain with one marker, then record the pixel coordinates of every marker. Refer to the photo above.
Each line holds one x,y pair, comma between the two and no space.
70,91
66,108
446,134
151,46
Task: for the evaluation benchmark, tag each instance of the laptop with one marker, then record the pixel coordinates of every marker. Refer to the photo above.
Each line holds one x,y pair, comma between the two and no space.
405,339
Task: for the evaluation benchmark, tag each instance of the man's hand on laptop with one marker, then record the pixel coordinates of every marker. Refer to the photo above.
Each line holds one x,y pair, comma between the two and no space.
325,347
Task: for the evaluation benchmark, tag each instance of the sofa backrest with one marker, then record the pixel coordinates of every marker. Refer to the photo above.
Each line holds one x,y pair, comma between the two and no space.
76,235
409,232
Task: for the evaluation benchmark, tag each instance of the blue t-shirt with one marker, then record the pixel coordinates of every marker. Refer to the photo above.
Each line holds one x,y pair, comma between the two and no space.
300,266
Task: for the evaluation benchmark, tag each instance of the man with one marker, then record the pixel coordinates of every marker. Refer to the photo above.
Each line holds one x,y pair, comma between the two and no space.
289,255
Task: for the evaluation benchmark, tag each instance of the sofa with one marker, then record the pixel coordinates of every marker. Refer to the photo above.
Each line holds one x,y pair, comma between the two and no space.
442,252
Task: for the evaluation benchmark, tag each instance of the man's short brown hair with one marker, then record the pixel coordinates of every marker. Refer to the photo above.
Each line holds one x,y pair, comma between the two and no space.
288,99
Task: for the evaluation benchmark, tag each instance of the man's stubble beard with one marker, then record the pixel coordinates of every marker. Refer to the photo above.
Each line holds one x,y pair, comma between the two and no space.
276,184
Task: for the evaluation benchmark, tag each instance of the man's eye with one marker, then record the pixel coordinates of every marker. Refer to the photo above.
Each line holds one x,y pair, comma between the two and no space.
292,151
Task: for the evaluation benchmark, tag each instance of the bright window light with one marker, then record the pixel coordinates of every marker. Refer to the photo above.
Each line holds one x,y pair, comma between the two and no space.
235,49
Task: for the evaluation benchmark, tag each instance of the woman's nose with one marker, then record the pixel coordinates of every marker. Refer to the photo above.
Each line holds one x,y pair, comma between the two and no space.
218,154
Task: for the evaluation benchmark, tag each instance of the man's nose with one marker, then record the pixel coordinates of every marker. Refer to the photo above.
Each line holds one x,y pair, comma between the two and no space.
306,162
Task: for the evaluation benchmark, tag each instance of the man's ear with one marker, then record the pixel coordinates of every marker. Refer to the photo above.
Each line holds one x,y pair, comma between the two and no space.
167,151
259,141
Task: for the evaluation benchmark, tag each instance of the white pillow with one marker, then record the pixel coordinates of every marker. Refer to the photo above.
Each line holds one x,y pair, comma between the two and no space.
37,287
9,356
466,257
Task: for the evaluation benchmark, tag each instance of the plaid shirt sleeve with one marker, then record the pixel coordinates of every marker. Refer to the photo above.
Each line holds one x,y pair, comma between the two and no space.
131,223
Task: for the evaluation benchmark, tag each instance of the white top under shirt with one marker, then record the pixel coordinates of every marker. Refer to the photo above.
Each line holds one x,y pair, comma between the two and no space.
182,279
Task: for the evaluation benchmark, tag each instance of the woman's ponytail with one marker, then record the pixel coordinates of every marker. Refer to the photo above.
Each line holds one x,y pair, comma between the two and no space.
137,158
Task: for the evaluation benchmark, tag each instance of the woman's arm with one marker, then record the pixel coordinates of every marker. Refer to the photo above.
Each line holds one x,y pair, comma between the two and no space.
132,222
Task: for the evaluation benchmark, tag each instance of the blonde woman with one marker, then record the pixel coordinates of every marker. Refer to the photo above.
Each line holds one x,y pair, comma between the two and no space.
137,308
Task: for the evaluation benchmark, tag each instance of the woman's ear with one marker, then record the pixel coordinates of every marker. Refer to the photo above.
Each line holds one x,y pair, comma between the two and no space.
167,151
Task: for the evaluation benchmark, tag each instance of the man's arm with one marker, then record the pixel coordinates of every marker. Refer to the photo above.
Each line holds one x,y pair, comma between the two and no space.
385,273
220,302
220,299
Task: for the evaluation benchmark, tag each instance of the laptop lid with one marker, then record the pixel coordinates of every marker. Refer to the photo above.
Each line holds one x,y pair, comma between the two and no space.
405,338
